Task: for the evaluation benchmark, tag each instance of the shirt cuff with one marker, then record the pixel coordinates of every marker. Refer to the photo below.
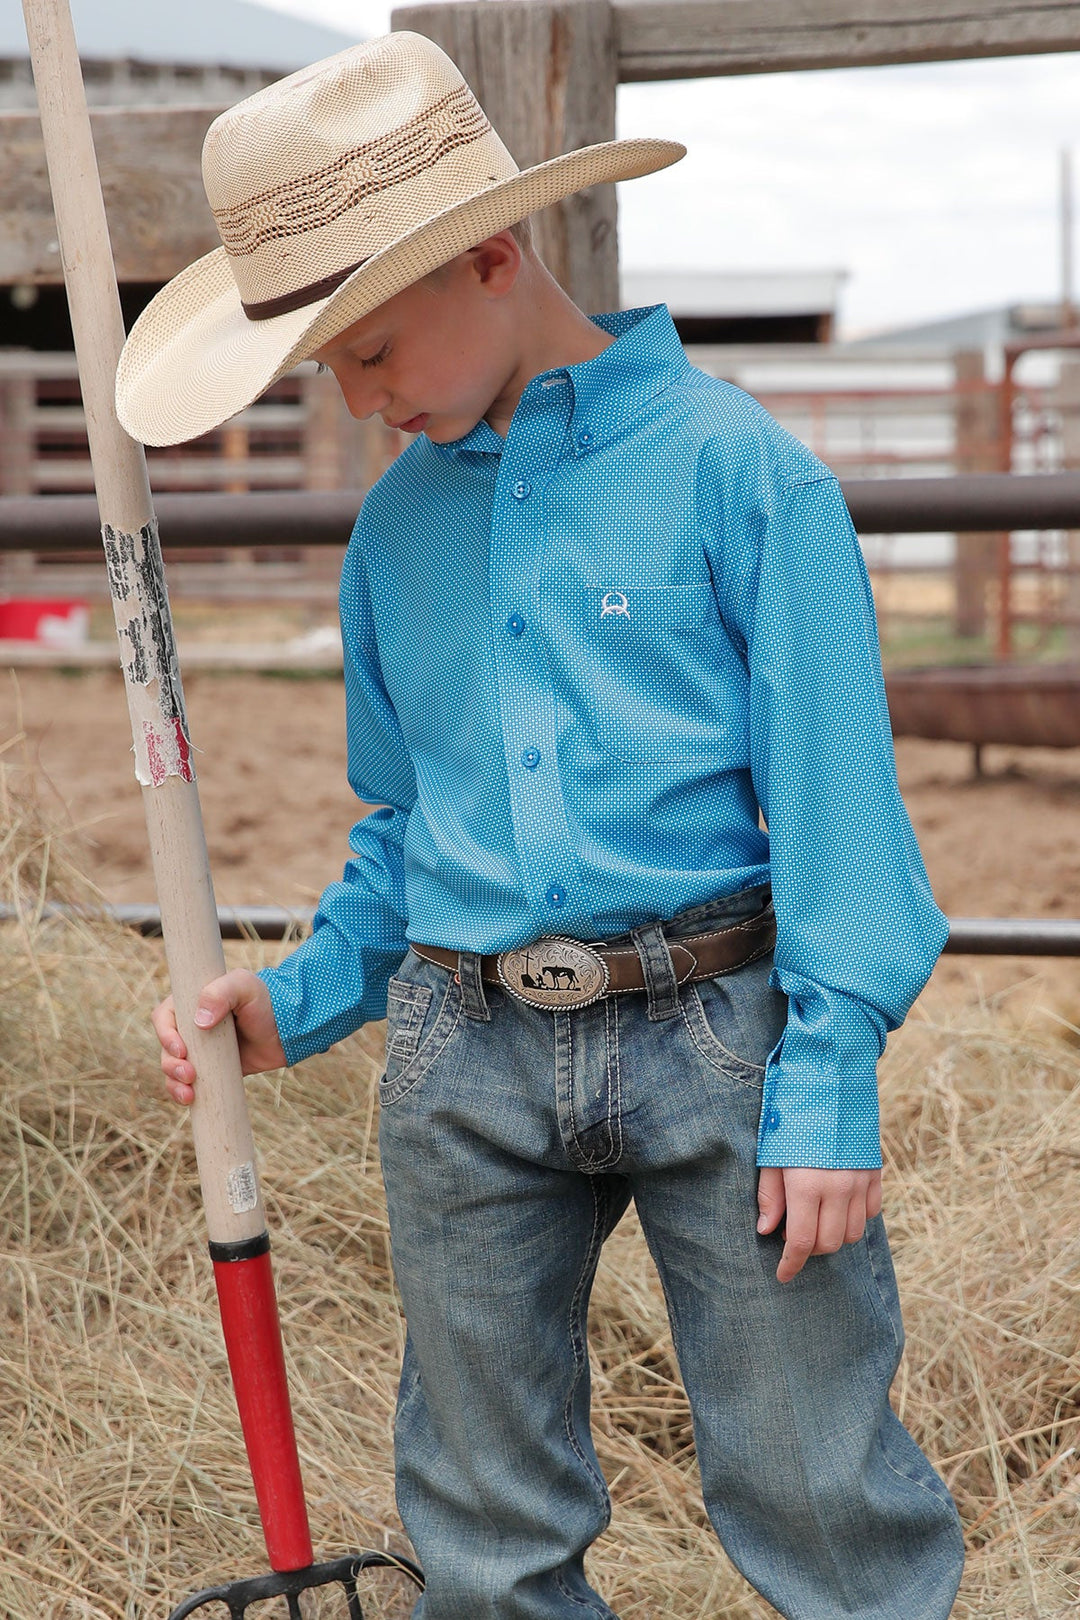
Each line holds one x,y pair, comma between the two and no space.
820,1104
819,1122
288,1011
325,991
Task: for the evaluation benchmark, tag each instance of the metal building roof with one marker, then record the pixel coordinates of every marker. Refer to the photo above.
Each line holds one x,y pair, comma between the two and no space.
716,293
974,329
230,33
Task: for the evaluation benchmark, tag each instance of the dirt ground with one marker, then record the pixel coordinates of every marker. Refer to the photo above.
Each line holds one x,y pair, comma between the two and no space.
277,810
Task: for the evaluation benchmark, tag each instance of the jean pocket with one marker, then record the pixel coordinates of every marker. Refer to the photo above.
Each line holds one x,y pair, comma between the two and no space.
420,1018
736,1019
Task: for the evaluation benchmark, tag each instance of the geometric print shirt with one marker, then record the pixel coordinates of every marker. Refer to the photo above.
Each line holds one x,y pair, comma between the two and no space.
617,664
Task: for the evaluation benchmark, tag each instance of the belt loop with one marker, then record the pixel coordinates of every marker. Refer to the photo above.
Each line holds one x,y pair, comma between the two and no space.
472,987
660,981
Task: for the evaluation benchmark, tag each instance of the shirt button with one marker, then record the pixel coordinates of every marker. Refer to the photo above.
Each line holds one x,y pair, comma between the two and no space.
584,438
772,1119
521,490
531,758
515,624
556,896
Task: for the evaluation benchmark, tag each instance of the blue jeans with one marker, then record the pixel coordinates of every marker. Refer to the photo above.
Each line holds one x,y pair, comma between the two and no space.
512,1141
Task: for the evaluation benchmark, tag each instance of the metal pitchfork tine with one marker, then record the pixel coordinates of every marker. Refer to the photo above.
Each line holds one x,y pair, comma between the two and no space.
224,1147
289,1585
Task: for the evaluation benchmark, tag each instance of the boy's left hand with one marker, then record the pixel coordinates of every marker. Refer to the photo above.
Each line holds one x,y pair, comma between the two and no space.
825,1209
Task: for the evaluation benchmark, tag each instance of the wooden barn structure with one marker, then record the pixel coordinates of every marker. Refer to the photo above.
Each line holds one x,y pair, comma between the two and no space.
155,78
547,72
547,75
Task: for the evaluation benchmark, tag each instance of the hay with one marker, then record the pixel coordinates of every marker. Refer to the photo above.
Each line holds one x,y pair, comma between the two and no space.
123,1483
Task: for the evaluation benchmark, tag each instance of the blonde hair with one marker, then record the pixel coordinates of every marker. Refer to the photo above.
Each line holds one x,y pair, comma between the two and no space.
521,231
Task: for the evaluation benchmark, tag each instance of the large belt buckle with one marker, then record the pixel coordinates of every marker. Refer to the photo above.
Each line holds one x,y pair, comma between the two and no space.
555,973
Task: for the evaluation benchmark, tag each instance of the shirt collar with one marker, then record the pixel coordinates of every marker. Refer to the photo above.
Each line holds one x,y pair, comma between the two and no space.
611,388
606,391
481,440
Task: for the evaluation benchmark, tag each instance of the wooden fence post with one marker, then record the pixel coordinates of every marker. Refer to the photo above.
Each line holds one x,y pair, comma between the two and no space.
236,448
976,451
546,76
332,453
1068,400
18,452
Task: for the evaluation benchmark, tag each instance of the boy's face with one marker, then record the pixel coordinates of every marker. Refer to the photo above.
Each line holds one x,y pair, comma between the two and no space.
434,358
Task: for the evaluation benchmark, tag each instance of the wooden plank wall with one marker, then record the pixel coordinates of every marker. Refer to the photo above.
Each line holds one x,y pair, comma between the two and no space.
151,176
546,71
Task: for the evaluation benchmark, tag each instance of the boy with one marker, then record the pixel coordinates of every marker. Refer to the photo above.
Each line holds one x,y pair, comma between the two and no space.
598,613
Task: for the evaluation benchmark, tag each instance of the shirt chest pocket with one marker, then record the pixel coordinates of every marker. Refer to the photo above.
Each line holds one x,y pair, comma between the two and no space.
644,670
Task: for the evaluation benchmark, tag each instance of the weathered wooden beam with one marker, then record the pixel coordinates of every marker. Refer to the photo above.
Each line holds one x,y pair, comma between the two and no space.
686,39
545,75
690,39
150,161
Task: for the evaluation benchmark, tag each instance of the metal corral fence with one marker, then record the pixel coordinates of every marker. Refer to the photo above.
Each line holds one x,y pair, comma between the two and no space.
296,436
974,502
325,518
968,936
993,703
868,411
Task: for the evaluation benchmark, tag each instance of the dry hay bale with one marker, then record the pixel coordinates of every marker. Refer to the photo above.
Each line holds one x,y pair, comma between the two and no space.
123,1481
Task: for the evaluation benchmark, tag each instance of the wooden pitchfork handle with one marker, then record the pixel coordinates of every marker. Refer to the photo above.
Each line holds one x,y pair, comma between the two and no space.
163,764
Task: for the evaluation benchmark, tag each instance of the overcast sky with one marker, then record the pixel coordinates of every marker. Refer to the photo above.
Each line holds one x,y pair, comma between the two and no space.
935,187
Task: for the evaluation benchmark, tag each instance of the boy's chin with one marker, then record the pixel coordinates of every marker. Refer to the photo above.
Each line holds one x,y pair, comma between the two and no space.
445,430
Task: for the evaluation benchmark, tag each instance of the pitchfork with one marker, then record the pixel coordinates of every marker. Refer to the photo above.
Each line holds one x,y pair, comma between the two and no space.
224,1147
289,1584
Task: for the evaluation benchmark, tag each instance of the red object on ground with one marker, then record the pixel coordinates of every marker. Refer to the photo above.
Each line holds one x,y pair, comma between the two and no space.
53,621
249,1319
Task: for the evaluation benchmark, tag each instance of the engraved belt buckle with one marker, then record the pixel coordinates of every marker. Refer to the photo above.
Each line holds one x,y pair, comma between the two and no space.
555,973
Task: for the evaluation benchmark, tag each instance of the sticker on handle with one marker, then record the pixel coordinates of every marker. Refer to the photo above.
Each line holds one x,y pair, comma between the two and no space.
242,1188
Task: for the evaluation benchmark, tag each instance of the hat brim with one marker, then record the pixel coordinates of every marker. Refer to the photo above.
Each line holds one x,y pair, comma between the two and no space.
193,358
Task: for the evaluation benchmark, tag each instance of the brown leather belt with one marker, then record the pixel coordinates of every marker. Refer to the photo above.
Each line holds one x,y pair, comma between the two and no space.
559,973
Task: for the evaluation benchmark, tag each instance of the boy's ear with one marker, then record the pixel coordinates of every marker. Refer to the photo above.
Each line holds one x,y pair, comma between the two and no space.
496,263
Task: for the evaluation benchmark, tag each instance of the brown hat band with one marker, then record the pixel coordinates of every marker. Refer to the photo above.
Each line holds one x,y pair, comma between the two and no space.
310,294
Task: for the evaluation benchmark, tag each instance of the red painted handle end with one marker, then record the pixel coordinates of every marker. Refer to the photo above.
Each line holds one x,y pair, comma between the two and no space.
249,1319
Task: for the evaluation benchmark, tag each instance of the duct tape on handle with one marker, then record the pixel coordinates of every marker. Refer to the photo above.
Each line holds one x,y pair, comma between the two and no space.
159,727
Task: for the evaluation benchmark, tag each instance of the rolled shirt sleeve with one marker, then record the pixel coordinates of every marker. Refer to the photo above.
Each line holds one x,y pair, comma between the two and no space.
858,931
337,979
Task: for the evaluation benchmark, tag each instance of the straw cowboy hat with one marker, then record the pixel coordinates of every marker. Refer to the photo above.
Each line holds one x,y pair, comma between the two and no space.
333,190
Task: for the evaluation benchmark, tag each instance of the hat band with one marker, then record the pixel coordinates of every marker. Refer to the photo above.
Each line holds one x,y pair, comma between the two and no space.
267,308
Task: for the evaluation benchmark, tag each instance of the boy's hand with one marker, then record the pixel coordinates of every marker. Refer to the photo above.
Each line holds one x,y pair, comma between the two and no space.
825,1209
244,995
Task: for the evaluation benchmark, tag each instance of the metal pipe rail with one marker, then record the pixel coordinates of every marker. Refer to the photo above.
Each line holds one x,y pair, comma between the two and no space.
968,936
976,502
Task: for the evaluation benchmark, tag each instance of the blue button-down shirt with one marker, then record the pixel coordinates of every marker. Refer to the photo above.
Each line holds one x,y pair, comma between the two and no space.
577,662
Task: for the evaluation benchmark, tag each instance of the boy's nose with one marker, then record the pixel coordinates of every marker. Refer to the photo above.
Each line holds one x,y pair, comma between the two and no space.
362,401
363,396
